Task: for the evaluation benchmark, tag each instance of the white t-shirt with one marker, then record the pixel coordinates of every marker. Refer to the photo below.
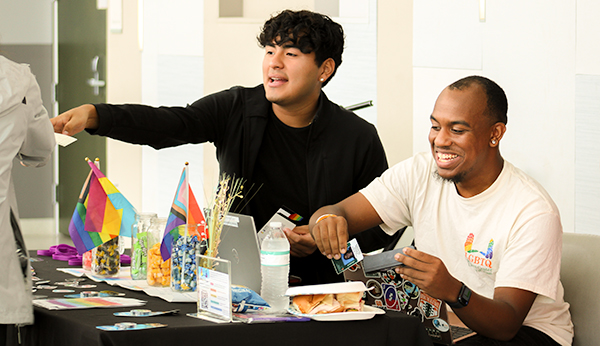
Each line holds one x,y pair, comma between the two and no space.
509,235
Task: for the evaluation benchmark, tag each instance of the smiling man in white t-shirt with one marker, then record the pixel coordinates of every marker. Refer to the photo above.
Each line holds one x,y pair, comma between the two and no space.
488,236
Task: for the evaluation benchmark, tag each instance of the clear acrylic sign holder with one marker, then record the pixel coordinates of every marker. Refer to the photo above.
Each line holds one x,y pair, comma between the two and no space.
214,290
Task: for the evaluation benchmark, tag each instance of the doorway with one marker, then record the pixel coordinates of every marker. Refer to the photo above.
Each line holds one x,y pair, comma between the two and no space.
81,30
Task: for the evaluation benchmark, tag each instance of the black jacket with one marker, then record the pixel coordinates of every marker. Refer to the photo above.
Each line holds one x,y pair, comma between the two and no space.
344,153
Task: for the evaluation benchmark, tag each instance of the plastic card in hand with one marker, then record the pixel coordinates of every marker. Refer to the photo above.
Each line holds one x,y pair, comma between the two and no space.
214,289
333,288
367,313
63,140
277,217
352,256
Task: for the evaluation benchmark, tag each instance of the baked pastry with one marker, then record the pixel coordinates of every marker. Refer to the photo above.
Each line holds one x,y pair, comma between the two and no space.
328,303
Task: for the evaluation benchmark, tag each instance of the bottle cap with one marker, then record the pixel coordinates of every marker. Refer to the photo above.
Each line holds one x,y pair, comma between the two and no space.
275,224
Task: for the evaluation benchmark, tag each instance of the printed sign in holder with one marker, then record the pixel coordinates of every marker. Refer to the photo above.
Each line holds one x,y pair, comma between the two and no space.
214,290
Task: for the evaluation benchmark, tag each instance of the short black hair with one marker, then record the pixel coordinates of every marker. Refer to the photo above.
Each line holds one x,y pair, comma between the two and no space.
307,30
497,103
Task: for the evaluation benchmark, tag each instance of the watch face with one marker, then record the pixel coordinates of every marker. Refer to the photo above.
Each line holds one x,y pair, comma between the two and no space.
464,296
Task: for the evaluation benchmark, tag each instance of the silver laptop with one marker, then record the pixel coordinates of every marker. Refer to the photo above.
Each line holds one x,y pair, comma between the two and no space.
239,244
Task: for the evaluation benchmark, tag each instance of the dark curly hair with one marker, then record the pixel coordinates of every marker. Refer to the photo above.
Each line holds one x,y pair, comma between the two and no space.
497,104
309,31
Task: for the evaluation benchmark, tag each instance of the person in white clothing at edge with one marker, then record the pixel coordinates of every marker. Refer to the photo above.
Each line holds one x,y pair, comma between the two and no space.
25,133
488,237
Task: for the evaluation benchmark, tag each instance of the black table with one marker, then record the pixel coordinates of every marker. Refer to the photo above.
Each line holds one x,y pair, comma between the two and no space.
78,327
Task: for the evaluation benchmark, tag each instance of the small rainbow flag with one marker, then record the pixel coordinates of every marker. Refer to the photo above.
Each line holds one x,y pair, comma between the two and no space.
184,210
101,213
295,217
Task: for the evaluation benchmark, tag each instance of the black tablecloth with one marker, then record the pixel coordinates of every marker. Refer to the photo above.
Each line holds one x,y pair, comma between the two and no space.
78,327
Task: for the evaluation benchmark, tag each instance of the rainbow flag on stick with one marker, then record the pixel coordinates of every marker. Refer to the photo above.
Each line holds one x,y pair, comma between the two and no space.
101,213
184,210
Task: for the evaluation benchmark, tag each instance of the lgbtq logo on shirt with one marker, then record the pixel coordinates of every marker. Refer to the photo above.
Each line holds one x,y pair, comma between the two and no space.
481,261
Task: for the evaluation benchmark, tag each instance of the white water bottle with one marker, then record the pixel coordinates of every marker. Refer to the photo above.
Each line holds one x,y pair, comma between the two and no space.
275,268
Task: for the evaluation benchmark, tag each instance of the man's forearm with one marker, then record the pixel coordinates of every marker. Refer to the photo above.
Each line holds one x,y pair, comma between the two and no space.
92,120
499,318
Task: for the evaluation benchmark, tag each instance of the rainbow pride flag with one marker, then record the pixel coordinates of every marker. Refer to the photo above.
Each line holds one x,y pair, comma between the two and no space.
184,210
101,213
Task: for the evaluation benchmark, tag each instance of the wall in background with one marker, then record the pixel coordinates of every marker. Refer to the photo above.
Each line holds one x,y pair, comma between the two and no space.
534,50
180,63
173,37
26,37
544,55
172,75
124,85
395,78
26,22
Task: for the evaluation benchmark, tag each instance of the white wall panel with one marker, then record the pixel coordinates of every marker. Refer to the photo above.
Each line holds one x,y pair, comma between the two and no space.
25,22
447,34
355,8
261,10
181,27
587,161
356,79
528,48
173,75
588,36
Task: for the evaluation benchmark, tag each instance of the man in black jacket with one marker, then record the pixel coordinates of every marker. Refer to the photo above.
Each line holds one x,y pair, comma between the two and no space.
284,135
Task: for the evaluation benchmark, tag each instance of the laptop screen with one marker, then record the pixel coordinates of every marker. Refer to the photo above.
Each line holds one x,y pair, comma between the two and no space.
239,245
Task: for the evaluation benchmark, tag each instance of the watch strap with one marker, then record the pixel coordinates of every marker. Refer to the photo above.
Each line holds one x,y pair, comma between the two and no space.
463,298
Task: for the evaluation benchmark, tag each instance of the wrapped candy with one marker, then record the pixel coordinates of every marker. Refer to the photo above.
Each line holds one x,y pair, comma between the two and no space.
106,258
86,260
183,264
139,245
158,271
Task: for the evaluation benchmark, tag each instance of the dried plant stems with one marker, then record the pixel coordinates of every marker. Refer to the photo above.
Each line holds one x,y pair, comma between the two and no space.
227,191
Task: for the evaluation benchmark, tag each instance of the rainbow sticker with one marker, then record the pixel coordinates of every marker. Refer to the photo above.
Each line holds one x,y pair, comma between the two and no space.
295,217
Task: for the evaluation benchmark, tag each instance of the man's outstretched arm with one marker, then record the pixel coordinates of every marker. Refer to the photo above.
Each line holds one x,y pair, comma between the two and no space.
331,225
76,120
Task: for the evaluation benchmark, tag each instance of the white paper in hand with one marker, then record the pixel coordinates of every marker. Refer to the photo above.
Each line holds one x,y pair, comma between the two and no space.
63,140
